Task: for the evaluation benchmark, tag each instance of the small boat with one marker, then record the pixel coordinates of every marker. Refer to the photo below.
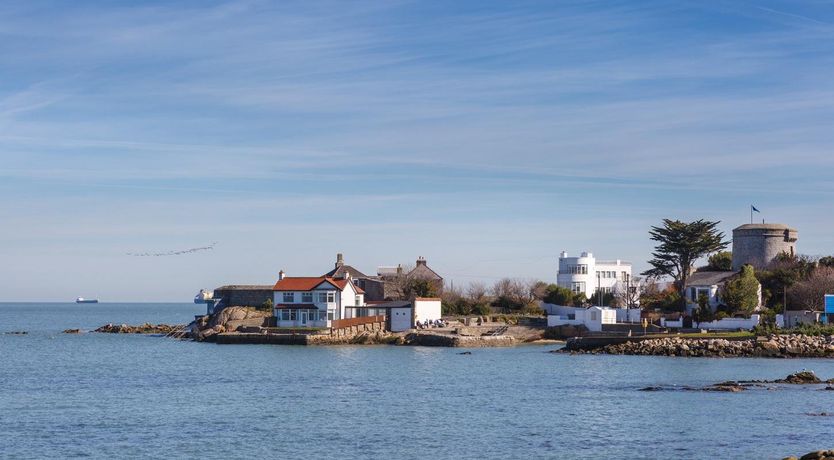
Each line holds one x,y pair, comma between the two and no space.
203,296
83,300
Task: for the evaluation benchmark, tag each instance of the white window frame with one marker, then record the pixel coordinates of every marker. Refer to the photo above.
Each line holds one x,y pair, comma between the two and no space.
307,297
331,297
290,296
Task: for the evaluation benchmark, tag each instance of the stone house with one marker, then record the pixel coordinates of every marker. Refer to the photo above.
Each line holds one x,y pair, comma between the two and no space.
388,282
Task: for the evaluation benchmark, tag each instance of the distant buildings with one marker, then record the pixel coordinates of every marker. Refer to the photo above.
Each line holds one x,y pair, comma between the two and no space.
585,274
390,283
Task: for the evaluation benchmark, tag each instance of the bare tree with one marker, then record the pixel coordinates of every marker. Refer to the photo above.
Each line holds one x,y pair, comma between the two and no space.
512,294
628,294
810,292
477,293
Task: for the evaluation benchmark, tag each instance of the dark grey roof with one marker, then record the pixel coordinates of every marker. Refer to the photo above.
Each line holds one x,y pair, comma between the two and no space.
709,278
339,272
422,271
773,226
388,304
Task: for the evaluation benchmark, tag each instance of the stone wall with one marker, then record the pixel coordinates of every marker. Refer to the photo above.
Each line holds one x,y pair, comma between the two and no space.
244,297
350,331
759,244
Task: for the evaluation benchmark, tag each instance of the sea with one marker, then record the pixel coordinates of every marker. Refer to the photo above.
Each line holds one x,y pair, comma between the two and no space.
132,396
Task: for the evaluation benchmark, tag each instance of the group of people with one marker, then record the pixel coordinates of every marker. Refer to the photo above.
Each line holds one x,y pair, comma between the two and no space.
430,323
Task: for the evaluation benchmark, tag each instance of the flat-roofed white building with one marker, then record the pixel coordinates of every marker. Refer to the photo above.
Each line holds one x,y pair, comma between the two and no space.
585,274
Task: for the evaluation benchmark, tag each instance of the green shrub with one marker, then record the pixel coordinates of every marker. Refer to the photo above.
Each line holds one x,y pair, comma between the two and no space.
266,306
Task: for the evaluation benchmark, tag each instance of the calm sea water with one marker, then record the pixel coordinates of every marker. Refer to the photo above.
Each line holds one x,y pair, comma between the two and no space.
102,395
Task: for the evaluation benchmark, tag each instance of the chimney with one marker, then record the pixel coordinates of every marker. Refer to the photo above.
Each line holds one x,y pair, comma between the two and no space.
421,261
399,269
339,260
281,275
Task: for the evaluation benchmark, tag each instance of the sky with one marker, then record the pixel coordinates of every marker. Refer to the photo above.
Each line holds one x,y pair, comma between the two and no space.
485,136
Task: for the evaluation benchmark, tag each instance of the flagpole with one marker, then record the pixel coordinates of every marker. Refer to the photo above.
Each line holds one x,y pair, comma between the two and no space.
751,213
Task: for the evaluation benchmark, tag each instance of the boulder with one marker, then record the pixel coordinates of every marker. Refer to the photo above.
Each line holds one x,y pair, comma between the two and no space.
801,378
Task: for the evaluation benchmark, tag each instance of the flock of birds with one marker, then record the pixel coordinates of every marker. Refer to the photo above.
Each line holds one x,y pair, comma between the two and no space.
173,253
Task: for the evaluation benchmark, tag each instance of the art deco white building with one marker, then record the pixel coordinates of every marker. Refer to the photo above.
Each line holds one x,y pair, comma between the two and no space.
586,274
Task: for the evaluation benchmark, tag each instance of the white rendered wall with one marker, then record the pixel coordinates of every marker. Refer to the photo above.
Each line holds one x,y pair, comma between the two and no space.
566,279
400,319
426,310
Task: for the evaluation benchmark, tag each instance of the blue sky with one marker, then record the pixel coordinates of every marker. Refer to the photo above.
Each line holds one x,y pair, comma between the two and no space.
485,136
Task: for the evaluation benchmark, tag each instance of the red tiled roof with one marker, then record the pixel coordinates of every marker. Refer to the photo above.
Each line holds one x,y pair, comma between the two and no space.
300,283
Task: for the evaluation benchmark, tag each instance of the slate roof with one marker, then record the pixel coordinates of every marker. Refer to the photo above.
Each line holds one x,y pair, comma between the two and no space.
422,271
709,278
296,306
340,272
384,304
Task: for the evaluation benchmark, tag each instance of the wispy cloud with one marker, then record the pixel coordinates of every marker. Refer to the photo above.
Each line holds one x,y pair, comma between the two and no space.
562,116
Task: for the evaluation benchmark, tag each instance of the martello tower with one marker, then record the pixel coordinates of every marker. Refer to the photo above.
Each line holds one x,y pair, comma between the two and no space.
759,244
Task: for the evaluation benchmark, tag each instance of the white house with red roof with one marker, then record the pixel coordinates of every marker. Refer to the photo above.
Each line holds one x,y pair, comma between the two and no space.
314,301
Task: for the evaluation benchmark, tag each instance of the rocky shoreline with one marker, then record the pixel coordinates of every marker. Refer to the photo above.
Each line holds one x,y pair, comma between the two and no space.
773,346
146,328
816,455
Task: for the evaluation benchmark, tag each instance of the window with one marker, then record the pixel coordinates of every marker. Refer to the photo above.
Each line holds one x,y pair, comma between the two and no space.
578,269
313,315
307,297
322,297
289,297
293,315
331,296
357,300
285,315
331,314
577,287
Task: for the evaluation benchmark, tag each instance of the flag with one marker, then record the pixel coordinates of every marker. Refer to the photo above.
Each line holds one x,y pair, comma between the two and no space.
753,208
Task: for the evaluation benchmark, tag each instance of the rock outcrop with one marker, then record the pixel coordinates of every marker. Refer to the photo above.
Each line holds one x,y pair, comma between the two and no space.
773,346
732,386
817,455
229,319
146,328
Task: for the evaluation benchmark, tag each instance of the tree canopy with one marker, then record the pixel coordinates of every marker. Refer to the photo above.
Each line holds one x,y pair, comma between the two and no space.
680,245
741,294
721,261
